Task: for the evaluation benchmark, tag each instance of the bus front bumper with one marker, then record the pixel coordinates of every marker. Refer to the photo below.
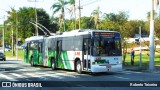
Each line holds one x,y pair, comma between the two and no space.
106,68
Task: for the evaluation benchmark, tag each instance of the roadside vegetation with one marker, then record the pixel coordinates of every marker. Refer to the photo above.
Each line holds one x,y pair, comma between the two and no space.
145,59
20,54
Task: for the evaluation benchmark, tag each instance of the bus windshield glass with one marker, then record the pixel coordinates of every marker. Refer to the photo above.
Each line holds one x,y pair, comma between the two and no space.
107,47
33,46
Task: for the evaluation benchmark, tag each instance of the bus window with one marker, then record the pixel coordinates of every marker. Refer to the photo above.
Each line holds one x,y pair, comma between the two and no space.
33,46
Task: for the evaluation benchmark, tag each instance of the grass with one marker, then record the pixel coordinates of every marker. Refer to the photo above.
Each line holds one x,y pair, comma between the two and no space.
20,54
145,59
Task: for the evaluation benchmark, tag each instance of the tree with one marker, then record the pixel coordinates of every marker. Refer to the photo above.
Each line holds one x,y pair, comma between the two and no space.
132,27
56,8
95,17
12,19
86,23
25,17
72,11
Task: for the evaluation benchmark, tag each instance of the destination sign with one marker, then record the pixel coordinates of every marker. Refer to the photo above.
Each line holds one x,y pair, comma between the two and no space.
105,34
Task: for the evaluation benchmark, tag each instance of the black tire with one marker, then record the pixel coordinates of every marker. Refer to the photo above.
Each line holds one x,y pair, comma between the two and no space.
53,65
32,62
4,59
78,67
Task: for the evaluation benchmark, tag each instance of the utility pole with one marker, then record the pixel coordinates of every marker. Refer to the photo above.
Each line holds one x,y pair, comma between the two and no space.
79,7
12,42
74,16
151,63
16,36
36,31
140,46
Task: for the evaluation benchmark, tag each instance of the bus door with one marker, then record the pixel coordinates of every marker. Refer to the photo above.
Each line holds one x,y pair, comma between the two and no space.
40,58
58,61
45,52
87,52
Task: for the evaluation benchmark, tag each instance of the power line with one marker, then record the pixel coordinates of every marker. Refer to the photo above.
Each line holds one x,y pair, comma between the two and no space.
91,2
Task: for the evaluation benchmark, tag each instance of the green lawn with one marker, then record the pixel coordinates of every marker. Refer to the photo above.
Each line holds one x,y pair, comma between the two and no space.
145,59
20,54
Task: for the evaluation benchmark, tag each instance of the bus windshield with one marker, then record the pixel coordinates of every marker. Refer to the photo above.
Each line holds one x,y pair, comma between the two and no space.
107,47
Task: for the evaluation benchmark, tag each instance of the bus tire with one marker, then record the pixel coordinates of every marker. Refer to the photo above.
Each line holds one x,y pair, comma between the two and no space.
78,67
53,66
32,62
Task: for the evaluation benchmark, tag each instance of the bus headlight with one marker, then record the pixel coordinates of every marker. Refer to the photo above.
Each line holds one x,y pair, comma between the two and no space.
118,62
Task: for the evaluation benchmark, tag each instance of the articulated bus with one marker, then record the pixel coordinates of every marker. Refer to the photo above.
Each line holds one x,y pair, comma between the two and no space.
79,50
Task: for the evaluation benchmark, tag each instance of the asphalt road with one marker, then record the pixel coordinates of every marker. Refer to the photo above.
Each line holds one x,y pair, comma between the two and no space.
20,72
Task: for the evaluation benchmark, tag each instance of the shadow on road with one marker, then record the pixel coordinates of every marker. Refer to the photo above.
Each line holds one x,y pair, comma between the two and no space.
102,73
10,69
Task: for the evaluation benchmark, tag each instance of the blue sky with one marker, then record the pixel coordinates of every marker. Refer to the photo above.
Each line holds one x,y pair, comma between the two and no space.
136,9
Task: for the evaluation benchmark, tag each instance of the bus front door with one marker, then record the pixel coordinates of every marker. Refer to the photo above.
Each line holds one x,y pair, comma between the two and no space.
86,58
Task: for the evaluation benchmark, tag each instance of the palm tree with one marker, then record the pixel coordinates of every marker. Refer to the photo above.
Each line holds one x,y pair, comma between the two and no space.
72,10
95,16
57,7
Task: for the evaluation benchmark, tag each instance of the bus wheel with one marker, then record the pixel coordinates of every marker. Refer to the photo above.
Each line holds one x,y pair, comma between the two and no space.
53,66
78,67
32,62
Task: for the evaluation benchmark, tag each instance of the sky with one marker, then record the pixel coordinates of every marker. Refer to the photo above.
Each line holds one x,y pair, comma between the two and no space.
137,9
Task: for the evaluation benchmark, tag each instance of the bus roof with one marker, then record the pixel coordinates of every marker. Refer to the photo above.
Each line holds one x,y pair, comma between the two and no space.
79,32
83,32
34,38
69,33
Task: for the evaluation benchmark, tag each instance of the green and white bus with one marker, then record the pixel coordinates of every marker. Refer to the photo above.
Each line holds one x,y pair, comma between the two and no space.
79,50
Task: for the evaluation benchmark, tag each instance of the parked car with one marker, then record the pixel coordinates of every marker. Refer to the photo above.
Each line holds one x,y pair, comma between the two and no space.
2,56
7,49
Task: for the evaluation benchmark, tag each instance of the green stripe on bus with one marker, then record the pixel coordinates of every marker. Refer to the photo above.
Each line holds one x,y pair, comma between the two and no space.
66,60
